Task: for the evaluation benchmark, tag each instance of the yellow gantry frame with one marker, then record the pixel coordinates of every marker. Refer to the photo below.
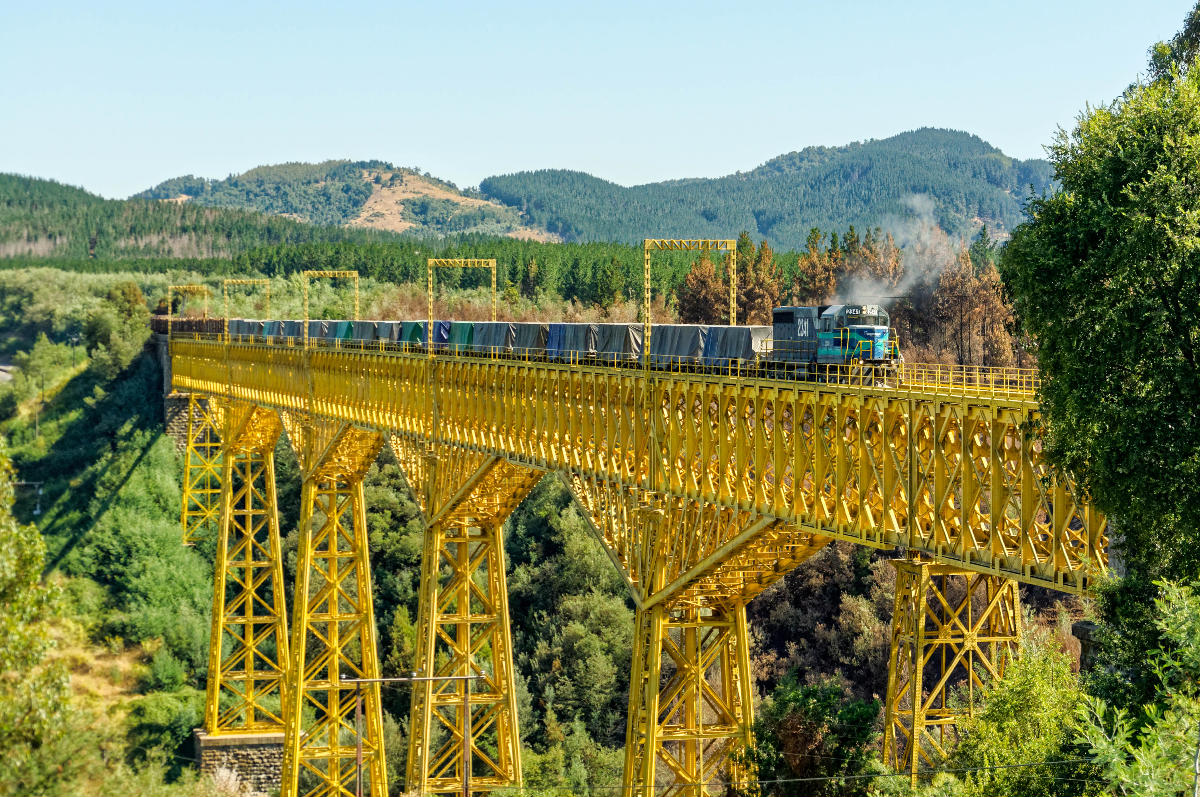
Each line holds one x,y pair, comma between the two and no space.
726,245
452,262
225,295
307,276
248,651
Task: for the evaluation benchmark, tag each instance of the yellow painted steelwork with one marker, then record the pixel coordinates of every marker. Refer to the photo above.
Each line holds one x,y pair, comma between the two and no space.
690,701
463,628
704,488
201,509
951,627
225,295
248,653
452,262
333,629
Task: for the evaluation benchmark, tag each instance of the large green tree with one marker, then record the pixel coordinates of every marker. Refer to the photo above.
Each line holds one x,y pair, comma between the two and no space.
1153,749
1106,275
811,739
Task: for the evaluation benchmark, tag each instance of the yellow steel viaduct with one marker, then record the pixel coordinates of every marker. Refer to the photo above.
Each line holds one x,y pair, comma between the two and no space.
703,487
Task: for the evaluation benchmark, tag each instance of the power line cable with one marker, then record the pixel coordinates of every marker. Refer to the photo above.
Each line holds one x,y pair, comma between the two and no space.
827,778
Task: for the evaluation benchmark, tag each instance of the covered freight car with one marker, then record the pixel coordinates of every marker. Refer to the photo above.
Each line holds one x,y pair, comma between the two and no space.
676,345
729,347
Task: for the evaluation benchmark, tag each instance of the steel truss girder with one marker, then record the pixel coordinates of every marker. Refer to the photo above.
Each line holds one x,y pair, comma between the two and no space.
690,701
248,650
333,631
704,488
955,476
951,629
464,628
707,555
200,512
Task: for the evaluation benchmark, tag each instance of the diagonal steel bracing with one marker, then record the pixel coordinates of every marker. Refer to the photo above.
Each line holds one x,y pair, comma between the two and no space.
248,649
464,629
201,506
951,630
703,488
333,631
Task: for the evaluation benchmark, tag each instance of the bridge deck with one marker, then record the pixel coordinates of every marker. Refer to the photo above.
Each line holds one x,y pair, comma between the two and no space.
944,461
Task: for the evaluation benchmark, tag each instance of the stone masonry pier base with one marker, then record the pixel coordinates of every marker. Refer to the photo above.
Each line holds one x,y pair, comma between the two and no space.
255,758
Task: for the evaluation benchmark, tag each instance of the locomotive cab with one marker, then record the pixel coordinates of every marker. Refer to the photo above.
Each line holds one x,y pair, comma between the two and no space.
853,332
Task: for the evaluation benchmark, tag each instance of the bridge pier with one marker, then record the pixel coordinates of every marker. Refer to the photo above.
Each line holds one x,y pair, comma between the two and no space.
229,488
333,628
950,627
255,758
248,648
690,700
463,628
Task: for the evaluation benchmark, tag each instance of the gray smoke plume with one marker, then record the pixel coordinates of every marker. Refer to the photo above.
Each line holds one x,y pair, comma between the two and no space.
926,251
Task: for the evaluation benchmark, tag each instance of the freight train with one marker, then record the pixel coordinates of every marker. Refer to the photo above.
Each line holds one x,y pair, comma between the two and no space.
801,340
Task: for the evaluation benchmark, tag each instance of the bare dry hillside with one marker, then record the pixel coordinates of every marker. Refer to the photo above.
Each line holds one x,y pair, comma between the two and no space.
389,208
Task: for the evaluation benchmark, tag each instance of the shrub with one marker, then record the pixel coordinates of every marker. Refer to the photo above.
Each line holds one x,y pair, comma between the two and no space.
813,731
161,723
1026,718
166,673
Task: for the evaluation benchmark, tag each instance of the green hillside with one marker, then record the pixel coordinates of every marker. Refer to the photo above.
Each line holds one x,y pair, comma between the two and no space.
371,194
331,192
957,177
43,219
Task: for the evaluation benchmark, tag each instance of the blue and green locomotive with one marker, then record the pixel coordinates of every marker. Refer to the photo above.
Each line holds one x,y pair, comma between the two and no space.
832,334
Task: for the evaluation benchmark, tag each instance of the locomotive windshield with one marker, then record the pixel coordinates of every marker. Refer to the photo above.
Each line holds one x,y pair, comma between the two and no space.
866,315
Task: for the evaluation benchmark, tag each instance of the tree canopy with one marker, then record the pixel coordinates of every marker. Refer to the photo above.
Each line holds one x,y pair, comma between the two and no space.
1106,275
950,177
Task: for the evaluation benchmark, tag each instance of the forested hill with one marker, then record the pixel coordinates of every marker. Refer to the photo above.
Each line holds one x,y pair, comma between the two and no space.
957,177
46,219
369,194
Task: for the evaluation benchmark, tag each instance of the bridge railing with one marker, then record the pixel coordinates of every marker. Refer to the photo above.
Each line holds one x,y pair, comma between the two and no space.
968,381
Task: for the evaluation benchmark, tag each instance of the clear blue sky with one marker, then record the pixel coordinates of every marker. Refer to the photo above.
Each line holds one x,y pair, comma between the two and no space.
119,96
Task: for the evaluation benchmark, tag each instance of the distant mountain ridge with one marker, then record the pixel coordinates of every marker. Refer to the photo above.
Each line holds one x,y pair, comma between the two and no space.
46,219
959,179
948,177
370,194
